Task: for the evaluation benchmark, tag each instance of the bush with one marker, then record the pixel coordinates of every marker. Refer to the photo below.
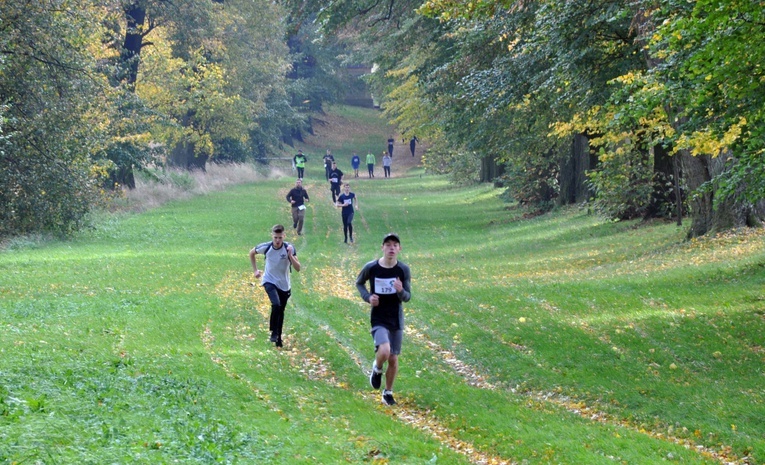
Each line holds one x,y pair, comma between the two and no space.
532,182
623,184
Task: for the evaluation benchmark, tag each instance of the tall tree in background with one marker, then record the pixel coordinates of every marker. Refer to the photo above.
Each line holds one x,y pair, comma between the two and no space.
52,124
712,75
90,88
520,80
212,76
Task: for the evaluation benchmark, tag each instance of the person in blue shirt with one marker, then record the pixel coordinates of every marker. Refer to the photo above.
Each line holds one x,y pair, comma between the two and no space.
355,163
349,203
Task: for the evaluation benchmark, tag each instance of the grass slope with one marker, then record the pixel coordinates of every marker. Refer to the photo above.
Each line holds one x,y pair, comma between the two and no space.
559,339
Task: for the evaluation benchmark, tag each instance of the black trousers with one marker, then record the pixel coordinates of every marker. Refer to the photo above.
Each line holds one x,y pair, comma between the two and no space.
278,300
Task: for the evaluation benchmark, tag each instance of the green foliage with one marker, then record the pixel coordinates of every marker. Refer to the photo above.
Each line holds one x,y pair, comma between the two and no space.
50,120
623,184
532,182
503,74
208,78
461,166
713,53
315,79
496,76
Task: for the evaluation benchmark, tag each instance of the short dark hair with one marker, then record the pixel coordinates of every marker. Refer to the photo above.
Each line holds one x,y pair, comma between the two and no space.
277,229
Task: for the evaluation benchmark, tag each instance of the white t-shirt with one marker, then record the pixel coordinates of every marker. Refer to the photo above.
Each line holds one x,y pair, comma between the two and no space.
277,267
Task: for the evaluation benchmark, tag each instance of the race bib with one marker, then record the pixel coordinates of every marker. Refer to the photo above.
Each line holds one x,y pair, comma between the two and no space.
385,286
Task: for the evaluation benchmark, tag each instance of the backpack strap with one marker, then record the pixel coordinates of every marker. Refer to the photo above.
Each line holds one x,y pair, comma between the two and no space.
284,244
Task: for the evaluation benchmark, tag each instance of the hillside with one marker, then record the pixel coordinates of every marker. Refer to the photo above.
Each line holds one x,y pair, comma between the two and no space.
345,129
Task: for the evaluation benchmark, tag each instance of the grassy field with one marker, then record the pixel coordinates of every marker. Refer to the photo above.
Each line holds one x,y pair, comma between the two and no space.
558,339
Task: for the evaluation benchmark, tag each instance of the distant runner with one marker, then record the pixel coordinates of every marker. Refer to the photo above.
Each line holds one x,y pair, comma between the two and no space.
348,202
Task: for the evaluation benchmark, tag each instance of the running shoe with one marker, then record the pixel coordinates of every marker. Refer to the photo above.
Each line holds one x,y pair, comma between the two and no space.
375,378
387,398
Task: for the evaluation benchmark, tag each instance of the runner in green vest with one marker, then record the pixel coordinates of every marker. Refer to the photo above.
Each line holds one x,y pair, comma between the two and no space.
299,161
371,164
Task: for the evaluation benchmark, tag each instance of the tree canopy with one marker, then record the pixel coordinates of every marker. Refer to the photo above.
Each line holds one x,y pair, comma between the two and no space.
667,96
517,81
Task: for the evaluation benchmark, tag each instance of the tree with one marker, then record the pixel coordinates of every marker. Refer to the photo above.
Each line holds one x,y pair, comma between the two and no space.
700,92
697,95
711,54
52,121
209,74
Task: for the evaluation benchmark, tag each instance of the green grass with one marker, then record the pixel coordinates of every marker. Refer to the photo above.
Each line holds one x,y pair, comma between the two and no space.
557,339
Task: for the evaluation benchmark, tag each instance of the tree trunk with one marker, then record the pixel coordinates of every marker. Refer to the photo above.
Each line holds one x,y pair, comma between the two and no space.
135,16
183,156
122,176
697,173
709,214
665,200
127,74
490,170
573,172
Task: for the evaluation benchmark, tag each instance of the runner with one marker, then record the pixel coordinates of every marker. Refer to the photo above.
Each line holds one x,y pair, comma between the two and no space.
389,286
355,162
328,159
299,162
371,164
279,258
386,164
335,181
297,198
348,202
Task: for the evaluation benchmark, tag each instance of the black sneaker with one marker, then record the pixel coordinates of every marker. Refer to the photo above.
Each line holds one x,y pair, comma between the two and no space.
294,225
274,337
279,343
375,378
387,398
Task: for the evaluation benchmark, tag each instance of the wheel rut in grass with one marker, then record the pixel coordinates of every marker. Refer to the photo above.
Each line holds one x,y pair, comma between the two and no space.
538,399
312,366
